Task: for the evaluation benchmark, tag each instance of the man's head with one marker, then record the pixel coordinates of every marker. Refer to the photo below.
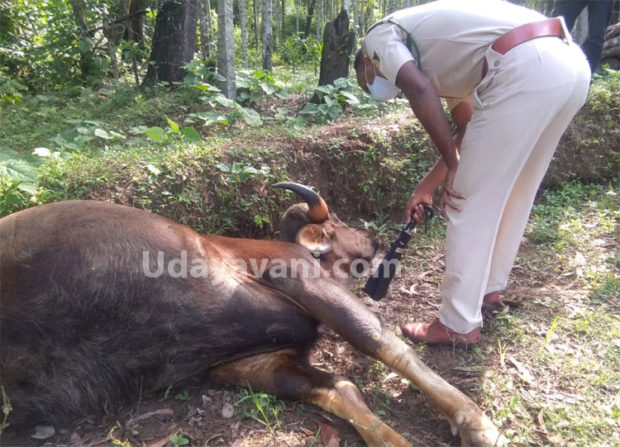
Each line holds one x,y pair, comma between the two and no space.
370,78
364,72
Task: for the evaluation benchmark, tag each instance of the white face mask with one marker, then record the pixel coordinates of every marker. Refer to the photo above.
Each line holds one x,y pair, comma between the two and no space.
381,89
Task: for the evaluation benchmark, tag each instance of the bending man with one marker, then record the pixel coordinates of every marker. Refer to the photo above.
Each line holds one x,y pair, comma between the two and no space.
513,80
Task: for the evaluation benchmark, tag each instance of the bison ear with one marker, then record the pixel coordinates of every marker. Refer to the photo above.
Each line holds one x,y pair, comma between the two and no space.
315,239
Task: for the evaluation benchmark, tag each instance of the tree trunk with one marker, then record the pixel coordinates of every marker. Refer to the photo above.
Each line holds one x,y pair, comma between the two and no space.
311,9
204,30
255,24
275,24
338,44
267,35
244,33
134,25
86,59
283,26
174,42
355,14
611,48
296,18
362,20
226,48
320,10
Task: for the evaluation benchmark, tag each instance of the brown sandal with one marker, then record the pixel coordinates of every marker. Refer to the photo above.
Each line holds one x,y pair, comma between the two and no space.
437,333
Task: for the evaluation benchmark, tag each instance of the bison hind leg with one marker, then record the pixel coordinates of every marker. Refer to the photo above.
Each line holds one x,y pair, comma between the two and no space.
283,374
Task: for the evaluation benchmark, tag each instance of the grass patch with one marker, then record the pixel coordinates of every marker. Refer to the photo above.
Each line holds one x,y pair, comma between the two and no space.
566,339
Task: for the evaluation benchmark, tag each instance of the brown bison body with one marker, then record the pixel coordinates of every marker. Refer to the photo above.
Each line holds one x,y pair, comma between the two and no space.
101,302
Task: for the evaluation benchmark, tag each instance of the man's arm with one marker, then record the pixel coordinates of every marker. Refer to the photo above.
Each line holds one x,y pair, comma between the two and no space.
461,114
427,107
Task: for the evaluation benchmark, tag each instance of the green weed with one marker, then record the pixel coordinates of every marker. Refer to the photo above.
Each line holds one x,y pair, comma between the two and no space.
262,408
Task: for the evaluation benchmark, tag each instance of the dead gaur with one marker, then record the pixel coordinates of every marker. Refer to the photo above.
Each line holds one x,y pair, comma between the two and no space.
102,302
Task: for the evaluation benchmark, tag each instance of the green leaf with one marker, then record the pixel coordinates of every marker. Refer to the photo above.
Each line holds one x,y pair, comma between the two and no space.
224,101
224,167
19,170
103,134
251,117
27,187
350,98
84,46
190,134
310,108
206,87
6,153
155,133
174,126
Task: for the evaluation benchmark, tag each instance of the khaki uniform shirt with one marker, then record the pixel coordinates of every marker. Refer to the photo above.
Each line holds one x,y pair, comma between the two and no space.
452,36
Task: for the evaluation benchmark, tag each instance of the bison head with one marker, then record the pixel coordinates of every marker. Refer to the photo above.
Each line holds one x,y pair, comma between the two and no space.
340,248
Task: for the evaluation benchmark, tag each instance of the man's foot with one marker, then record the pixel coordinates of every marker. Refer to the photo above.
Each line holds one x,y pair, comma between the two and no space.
492,299
437,333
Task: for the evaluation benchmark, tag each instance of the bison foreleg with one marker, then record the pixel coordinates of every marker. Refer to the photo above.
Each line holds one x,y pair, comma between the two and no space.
282,374
342,311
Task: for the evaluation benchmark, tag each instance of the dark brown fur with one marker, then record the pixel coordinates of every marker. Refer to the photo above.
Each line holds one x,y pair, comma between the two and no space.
84,329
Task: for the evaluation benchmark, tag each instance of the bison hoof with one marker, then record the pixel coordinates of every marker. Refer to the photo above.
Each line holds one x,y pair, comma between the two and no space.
477,431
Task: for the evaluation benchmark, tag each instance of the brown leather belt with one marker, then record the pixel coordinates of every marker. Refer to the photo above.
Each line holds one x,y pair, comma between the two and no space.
529,31
547,28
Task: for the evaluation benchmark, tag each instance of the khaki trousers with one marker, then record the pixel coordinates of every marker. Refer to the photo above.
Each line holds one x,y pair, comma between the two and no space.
521,109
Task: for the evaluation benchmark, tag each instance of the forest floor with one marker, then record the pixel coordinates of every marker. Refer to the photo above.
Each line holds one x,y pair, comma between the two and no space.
547,370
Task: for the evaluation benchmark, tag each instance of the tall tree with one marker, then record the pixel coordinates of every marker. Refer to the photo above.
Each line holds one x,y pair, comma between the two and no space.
267,35
226,48
244,33
205,31
309,16
320,12
174,42
86,59
283,26
255,9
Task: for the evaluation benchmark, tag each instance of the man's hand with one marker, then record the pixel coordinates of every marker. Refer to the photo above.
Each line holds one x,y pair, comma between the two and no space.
414,205
448,194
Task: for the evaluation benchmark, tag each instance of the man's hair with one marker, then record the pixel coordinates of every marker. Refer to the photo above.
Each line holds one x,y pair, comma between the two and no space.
358,59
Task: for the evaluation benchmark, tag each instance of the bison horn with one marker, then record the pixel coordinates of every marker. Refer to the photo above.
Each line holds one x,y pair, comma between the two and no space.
317,208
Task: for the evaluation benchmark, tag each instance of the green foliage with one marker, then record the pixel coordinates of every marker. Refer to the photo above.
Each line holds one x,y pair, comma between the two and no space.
178,440
298,50
252,86
333,98
18,177
11,91
604,287
160,135
44,47
262,408
201,70
555,211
